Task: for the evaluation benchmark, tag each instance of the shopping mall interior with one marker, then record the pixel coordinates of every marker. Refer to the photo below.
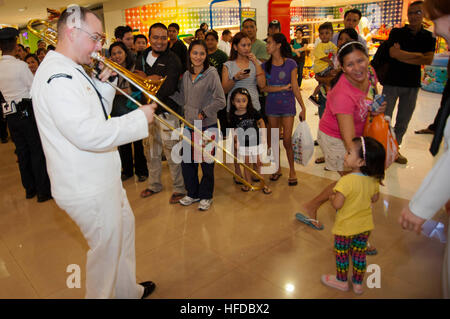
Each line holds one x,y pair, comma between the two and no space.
248,244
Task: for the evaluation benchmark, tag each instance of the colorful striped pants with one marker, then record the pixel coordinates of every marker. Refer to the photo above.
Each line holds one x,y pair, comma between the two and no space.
355,245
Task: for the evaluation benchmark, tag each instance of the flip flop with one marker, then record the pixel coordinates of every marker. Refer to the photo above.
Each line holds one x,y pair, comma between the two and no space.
320,160
267,191
237,182
275,176
147,192
424,131
308,221
292,181
245,188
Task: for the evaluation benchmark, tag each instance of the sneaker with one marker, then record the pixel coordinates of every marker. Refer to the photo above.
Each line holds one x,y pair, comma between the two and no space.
204,204
401,159
186,200
315,100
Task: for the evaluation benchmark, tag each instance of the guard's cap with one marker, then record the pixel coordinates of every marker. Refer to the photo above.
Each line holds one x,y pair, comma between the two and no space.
275,23
8,33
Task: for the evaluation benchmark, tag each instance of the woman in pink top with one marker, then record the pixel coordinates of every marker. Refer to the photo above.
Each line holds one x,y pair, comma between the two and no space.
348,104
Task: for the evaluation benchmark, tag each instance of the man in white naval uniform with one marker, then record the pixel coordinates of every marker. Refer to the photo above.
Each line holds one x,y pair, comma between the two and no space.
80,143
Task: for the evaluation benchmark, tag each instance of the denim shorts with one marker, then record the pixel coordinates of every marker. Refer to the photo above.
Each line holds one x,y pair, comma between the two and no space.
281,115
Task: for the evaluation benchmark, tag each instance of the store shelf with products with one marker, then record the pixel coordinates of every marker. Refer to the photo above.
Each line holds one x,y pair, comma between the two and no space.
313,26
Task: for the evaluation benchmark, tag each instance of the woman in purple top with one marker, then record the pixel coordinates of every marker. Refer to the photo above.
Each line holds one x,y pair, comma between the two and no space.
282,86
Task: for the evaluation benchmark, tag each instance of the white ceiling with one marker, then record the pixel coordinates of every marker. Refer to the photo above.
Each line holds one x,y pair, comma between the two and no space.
34,9
10,14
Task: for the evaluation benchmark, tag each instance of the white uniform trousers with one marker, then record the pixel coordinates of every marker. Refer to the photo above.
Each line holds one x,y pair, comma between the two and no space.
107,222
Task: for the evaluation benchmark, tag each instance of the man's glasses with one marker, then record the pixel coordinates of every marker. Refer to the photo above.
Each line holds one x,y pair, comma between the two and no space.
94,37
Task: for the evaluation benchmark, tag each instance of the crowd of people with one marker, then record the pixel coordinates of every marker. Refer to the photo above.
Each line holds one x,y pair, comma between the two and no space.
235,81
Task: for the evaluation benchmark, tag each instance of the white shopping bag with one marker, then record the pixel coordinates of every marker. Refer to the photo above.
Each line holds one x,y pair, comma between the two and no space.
303,144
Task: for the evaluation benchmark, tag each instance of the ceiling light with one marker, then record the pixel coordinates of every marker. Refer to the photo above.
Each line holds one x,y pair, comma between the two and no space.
22,9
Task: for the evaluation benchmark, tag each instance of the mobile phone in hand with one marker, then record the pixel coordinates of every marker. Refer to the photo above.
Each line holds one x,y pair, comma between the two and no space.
377,101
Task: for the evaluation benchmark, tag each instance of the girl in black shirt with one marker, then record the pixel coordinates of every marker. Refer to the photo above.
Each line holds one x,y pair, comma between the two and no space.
246,121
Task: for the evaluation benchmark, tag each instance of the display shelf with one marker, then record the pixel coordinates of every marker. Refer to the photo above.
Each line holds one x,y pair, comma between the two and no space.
315,25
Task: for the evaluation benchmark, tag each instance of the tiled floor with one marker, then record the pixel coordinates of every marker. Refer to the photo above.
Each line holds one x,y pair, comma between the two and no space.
248,245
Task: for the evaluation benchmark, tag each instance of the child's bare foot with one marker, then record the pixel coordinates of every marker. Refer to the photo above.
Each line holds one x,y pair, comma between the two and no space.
266,190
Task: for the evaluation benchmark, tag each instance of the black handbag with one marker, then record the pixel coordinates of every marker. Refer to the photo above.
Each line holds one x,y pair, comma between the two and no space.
380,62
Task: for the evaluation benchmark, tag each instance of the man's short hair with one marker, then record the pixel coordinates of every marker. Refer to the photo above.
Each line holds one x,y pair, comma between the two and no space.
62,21
120,31
8,45
326,26
140,36
249,19
155,26
415,3
226,32
355,11
174,25
212,33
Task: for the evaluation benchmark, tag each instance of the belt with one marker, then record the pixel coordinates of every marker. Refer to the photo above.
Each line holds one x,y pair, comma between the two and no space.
23,108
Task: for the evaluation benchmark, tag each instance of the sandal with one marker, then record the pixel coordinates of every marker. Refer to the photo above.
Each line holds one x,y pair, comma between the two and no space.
175,198
292,181
266,190
275,176
237,182
424,131
147,193
320,160
245,188
331,281
309,221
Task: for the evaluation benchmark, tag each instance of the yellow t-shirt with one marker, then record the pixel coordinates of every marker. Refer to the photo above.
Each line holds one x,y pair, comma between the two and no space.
322,50
355,216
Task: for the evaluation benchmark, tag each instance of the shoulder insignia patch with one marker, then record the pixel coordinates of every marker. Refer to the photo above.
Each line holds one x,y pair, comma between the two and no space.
59,75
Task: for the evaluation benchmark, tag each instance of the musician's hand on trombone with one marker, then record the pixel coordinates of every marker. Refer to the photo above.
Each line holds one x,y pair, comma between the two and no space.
105,73
149,111
154,77
140,73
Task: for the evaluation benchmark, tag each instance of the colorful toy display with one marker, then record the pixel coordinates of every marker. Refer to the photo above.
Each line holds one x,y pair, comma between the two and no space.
189,19
378,13
435,76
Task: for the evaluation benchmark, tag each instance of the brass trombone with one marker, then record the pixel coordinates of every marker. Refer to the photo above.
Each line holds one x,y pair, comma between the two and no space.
149,88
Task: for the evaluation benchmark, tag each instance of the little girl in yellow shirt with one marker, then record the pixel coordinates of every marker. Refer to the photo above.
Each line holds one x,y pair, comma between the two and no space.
352,198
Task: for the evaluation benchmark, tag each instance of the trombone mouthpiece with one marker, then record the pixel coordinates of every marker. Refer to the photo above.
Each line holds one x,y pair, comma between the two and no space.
97,56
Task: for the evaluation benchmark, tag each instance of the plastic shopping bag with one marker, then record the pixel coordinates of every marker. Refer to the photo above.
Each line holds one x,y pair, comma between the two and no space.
303,144
379,128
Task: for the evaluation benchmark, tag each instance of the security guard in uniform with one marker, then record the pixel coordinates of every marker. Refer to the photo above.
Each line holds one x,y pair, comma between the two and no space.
15,83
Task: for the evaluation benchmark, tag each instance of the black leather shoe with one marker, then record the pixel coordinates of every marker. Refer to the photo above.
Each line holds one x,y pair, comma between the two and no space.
44,198
142,178
149,287
30,194
124,177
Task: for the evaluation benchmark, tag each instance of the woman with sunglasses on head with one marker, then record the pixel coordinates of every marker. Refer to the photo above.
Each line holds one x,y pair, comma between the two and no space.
121,105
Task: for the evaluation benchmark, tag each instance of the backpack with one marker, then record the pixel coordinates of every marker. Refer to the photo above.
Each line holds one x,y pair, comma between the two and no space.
380,62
